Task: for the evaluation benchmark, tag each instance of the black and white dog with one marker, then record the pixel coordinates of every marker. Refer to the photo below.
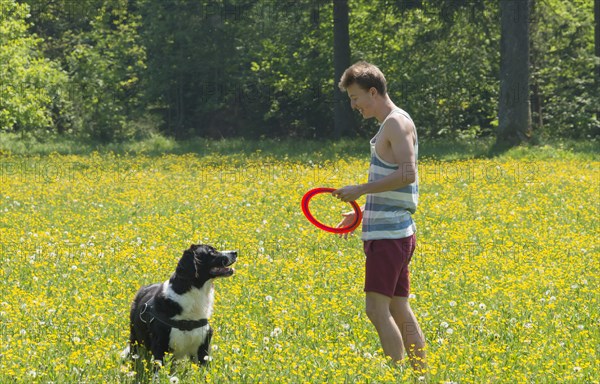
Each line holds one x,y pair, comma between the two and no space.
173,316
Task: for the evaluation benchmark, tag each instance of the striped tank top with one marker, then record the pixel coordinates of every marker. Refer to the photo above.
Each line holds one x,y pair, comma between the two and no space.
388,215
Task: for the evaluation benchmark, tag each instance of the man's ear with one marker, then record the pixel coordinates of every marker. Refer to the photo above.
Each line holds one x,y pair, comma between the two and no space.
373,91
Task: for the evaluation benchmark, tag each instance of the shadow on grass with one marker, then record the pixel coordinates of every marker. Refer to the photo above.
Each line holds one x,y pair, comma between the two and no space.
296,149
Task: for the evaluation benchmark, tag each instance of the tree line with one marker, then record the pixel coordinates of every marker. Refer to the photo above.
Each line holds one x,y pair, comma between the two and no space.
110,70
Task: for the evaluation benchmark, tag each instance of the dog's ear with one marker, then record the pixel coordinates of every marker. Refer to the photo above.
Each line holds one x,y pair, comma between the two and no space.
186,268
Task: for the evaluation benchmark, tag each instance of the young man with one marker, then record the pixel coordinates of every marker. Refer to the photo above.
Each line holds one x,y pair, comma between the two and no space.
388,228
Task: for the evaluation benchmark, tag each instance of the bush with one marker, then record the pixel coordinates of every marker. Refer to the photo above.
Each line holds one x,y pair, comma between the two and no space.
32,88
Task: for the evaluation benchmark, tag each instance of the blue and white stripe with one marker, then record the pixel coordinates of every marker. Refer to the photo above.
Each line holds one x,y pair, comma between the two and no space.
388,215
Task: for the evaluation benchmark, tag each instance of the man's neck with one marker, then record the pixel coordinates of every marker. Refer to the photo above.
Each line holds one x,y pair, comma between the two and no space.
384,110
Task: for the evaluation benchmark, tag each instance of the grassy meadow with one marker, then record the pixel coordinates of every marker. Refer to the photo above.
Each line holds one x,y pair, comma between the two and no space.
505,278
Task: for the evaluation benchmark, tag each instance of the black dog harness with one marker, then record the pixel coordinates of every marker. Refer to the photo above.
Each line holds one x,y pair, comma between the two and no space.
150,314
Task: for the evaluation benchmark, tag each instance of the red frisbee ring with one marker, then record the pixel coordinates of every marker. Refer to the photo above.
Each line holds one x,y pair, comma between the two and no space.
310,194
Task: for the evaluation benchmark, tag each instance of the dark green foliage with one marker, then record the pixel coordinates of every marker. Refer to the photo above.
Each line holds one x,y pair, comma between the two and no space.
105,66
563,69
441,63
31,87
109,70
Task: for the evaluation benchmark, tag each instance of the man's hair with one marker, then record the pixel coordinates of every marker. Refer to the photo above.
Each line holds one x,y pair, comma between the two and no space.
366,75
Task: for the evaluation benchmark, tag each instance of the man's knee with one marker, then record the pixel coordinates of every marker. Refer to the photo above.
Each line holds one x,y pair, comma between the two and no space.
399,307
377,307
374,312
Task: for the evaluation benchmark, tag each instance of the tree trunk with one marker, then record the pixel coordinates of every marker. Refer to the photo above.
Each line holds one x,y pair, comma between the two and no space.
514,112
342,113
597,50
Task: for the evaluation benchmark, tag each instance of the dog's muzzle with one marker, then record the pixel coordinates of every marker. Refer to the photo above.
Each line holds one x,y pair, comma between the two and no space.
221,267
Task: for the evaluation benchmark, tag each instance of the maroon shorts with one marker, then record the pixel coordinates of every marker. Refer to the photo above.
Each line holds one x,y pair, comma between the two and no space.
387,265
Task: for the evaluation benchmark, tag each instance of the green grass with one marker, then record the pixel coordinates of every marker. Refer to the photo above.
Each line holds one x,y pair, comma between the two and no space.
505,276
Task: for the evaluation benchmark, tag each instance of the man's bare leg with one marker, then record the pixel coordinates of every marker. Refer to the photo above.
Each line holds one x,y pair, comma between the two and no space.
378,311
414,341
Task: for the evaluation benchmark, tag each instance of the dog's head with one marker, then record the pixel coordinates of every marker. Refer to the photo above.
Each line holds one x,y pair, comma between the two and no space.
202,262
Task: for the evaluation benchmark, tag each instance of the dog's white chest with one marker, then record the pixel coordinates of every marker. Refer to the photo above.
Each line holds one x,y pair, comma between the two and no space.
186,343
196,304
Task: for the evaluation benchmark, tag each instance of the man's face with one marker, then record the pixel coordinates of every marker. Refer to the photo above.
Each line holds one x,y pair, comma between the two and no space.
362,100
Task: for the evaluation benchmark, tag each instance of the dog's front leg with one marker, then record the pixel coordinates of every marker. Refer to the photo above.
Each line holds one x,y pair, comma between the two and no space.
204,349
160,346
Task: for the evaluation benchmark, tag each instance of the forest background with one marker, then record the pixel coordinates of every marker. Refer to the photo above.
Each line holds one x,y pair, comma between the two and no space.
113,70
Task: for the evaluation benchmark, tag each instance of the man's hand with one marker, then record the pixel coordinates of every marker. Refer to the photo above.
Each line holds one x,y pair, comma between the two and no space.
349,193
348,219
